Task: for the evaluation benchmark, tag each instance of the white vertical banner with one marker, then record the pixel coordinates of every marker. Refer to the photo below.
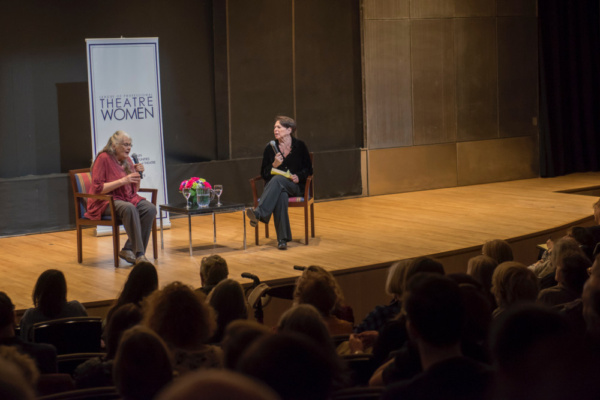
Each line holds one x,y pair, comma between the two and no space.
124,89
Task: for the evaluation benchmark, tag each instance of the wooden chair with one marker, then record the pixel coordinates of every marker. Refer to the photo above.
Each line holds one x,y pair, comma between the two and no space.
81,181
70,335
306,202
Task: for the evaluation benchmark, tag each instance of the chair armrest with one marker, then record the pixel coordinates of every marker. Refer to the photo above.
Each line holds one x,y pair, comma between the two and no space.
94,196
254,191
153,191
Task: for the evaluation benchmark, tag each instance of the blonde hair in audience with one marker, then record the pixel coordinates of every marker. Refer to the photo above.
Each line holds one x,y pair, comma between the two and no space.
498,249
23,362
513,282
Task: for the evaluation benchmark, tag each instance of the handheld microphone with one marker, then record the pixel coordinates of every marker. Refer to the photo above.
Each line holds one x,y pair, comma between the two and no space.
135,160
275,149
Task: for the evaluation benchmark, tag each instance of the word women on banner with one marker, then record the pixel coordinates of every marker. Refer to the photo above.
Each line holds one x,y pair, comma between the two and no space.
124,107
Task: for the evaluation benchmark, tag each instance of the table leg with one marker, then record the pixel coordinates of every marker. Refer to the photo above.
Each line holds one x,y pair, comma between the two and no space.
190,229
162,243
244,219
214,229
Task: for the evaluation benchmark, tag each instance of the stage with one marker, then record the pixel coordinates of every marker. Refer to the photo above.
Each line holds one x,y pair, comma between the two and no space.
353,236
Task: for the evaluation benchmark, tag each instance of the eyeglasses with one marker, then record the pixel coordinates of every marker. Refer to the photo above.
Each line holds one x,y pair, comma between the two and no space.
126,144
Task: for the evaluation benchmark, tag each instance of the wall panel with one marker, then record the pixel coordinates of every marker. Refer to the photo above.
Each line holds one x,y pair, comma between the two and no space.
328,74
434,81
385,9
408,169
388,83
517,76
517,7
477,78
497,160
432,9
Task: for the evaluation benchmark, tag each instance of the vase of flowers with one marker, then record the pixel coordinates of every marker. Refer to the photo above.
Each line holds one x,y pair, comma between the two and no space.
197,185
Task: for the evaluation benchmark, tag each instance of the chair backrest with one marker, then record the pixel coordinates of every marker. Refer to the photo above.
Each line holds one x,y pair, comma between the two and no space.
70,335
67,363
81,182
98,393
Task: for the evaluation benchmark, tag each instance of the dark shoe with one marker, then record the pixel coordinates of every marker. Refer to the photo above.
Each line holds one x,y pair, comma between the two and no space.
252,217
127,255
282,245
141,258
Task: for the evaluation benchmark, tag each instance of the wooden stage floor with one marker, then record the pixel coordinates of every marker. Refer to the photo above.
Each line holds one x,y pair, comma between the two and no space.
350,233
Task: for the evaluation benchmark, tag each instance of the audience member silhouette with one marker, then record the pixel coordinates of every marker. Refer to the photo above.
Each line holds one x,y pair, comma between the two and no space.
394,285
341,310
228,300
482,268
498,249
23,362
536,356
316,290
142,364
213,269
97,371
43,354
142,280
13,385
185,321
571,274
513,283
50,301
434,318
239,335
292,365
217,385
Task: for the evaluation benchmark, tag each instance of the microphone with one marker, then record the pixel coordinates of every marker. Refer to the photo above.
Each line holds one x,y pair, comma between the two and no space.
275,149
135,160
299,268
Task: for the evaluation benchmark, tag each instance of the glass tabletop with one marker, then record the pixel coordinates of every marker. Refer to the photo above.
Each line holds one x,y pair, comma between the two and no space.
179,208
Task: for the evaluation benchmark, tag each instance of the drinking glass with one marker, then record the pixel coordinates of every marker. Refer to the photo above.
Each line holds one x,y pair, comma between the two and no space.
187,193
218,189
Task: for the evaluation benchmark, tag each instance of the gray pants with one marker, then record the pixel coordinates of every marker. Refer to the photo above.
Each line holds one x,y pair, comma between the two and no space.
274,200
137,222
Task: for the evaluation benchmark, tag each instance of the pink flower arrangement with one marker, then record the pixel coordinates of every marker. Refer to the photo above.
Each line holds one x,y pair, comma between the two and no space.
195,183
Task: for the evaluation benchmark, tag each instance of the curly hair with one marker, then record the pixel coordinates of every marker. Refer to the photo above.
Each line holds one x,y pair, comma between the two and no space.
180,315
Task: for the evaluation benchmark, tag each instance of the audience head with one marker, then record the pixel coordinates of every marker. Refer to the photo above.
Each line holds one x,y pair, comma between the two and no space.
50,292
229,301
23,362
478,314
584,238
123,318
328,276
482,268
304,319
7,313
239,335
591,303
572,272
434,309
217,385
535,354
13,385
512,283
213,269
180,316
498,249
565,247
142,280
317,291
142,364
421,264
394,284
290,364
